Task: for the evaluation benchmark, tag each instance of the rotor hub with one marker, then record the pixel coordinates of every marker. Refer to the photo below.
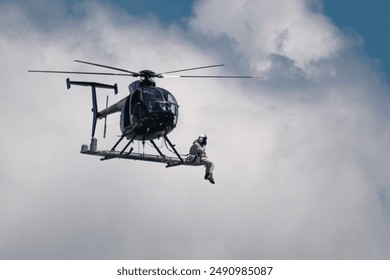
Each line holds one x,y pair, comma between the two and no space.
147,74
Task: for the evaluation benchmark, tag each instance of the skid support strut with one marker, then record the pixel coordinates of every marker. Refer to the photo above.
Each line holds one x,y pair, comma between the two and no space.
128,144
117,143
158,150
173,148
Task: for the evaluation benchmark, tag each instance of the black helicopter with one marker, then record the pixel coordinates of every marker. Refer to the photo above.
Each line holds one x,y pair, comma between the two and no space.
147,113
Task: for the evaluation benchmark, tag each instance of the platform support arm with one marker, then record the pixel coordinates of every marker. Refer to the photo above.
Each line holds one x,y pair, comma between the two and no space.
128,144
173,148
158,150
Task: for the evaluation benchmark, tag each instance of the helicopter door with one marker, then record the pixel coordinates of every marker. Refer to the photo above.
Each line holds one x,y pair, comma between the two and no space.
136,109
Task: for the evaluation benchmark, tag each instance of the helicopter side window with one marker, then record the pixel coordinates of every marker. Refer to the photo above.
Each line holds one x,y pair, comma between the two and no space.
171,100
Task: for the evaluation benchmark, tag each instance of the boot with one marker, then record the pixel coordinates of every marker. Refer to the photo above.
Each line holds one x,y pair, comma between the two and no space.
210,178
206,175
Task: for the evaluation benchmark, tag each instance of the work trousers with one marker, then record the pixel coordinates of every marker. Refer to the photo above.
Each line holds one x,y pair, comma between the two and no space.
202,161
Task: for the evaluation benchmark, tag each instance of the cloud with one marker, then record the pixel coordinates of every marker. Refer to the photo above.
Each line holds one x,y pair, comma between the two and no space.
300,157
258,29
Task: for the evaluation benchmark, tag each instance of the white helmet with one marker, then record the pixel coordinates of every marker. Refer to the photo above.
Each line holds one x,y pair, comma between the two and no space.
202,139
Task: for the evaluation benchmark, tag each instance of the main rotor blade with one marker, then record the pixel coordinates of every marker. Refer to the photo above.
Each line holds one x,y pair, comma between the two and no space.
72,72
109,67
189,69
215,77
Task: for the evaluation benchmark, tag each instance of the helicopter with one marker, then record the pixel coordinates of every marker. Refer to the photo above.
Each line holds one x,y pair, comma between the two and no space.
148,112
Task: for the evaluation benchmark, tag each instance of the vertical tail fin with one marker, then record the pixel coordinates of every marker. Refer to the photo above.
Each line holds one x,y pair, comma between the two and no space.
93,86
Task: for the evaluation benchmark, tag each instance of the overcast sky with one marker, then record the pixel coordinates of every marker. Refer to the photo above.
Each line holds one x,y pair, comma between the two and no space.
301,158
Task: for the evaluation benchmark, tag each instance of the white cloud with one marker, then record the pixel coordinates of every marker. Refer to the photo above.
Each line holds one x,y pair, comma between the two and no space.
262,28
300,157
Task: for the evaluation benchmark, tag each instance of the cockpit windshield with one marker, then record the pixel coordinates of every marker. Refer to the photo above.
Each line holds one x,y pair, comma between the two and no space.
168,96
151,94
159,100
174,107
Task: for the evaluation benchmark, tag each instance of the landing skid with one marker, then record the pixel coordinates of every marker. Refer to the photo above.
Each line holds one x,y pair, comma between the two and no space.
123,154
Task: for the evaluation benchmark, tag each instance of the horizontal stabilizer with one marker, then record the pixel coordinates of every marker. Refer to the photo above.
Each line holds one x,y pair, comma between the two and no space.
92,84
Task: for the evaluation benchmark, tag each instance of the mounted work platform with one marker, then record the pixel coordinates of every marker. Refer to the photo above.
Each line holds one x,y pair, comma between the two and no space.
110,154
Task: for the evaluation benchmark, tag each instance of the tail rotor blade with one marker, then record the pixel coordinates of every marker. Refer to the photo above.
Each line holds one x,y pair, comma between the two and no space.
105,120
